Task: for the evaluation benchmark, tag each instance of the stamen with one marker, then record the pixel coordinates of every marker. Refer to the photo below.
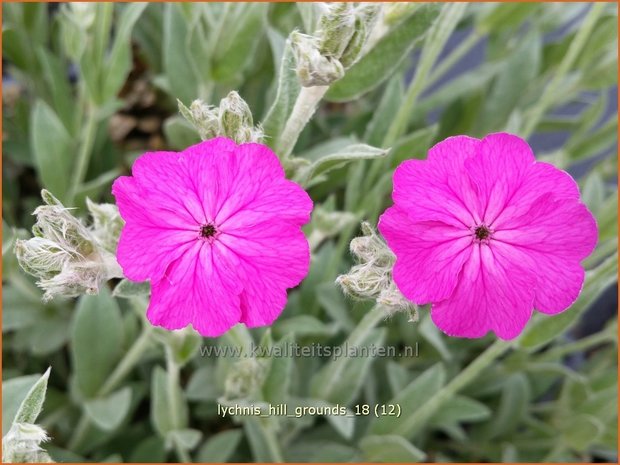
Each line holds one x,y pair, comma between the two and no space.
482,232
207,231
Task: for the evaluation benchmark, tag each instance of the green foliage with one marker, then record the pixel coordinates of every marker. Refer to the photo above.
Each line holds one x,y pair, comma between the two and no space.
122,390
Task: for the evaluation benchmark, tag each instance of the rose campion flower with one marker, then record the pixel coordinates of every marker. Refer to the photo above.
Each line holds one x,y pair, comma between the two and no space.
216,229
486,234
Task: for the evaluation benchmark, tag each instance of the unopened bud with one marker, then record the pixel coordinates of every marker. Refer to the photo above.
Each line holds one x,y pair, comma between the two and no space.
236,121
232,119
245,377
22,444
65,255
336,27
366,16
371,277
313,68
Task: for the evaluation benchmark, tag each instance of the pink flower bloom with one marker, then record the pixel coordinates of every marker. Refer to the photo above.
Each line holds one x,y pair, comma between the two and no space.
216,228
485,233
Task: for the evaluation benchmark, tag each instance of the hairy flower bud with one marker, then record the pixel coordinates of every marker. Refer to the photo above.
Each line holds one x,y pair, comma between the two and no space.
245,377
314,68
232,119
371,277
336,27
68,258
22,444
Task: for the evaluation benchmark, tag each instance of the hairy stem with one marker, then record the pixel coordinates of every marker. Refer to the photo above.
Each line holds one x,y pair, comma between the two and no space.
84,154
305,106
469,374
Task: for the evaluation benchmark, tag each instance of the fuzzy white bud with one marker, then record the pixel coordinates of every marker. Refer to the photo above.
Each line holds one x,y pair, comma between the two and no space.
232,119
371,277
68,258
22,444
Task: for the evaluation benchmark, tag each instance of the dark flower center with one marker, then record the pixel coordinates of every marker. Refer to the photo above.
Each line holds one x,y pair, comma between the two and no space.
482,232
207,230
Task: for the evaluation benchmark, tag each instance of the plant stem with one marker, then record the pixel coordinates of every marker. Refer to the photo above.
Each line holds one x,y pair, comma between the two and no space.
272,443
84,154
469,374
576,346
174,407
305,106
129,361
433,45
447,63
551,91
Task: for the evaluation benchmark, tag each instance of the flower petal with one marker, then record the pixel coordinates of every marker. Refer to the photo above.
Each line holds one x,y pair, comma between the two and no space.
199,288
438,188
429,254
153,236
273,256
541,178
552,237
493,294
499,169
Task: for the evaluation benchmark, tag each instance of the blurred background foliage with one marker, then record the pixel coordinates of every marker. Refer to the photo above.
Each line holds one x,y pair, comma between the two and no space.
88,87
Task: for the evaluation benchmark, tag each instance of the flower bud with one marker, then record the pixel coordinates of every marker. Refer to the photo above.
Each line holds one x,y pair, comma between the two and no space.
365,19
232,119
22,444
336,27
313,68
371,277
245,377
66,256
235,119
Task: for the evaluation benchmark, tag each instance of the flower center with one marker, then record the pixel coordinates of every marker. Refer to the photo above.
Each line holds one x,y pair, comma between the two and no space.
207,231
482,232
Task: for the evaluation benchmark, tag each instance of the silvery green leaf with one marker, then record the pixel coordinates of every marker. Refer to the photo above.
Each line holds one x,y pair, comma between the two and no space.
53,149
385,57
110,411
118,62
13,393
179,133
288,89
340,158
343,387
187,438
390,448
202,385
581,432
419,391
385,112
304,325
235,50
277,384
96,340
461,409
219,447
163,399
33,402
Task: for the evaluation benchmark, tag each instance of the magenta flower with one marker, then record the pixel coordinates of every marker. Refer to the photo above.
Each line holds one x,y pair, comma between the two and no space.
216,229
485,233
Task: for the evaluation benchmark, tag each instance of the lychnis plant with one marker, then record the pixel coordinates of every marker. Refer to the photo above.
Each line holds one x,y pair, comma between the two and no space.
204,170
